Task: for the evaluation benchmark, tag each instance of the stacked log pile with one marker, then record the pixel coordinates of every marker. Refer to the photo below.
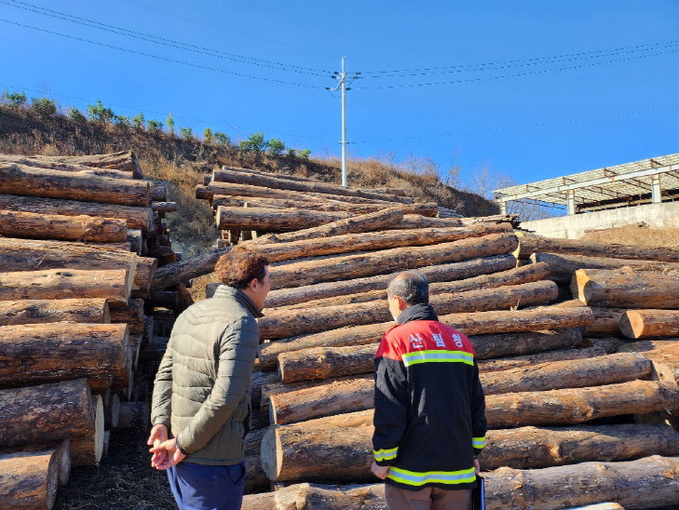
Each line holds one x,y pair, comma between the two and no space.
80,241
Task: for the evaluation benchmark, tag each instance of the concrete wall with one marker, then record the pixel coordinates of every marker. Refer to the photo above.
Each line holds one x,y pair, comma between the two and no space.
574,226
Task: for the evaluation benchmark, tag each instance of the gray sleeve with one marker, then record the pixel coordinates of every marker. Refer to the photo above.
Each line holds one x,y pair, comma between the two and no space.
162,390
238,349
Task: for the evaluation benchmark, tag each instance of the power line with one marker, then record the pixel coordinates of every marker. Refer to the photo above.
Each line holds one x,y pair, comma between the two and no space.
518,62
517,75
163,41
157,57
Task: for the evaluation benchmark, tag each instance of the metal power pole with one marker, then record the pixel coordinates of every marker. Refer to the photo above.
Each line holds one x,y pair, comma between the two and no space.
342,77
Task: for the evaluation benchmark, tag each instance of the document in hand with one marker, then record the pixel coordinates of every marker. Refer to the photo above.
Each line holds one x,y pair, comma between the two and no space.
478,495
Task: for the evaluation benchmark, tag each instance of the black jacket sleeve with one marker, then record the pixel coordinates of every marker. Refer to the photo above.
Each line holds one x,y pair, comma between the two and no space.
391,406
478,403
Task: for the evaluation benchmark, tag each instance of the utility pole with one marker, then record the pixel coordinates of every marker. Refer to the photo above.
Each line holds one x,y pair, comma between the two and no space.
342,77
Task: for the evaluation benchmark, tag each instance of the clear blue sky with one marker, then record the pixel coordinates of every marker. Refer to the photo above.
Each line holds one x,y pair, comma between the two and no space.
530,89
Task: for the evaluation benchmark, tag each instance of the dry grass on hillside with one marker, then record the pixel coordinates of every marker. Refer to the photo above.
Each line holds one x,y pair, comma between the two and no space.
636,235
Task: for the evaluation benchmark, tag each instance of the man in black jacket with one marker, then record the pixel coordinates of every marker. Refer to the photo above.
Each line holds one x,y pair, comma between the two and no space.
429,407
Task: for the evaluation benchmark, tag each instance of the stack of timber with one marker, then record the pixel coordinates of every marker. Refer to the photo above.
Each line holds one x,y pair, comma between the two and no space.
80,241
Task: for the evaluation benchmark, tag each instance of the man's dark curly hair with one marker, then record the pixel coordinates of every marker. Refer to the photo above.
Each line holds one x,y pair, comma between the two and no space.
239,267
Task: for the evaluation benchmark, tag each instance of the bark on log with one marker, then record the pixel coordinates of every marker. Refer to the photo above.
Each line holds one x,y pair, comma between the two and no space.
255,478
578,405
516,276
62,452
270,181
494,365
134,415
112,285
284,323
135,217
258,380
645,483
344,267
37,311
131,314
87,450
314,497
563,266
664,352
68,228
87,186
54,351
626,288
415,221
436,273
354,224
533,243
125,161
45,413
180,272
112,412
499,345
370,241
143,276
650,323
273,220
28,479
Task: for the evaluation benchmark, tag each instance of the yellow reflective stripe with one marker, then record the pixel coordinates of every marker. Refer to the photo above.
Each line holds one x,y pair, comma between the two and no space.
417,479
478,442
414,358
385,454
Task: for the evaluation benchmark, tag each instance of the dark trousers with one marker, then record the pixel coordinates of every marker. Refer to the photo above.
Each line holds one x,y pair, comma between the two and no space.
428,498
199,487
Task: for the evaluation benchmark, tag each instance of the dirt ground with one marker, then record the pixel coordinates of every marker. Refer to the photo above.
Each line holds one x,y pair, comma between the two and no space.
124,480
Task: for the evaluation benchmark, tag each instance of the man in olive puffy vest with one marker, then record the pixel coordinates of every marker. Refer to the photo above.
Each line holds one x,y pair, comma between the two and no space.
201,395
429,407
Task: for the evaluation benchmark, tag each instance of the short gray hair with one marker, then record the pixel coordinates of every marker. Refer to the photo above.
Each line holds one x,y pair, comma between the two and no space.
411,286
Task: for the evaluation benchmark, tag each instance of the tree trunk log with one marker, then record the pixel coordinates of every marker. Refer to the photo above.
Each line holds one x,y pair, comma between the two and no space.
665,352
135,217
255,479
86,186
131,314
37,311
29,480
495,365
533,243
46,413
370,241
125,161
143,276
436,273
87,450
68,228
650,323
626,289
274,220
271,181
54,351
354,224
134,415
285,323
578,405
180,272
112,285
345,267
563,266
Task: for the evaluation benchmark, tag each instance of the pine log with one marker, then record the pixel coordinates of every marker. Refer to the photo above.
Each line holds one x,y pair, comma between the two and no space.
494,365
316,497
665,352
274,220
500,345
255,478
563,266
436,273
285,323
112,412
179,272
415,221
132,314
143,276
372,241
134,415
28,479
606,320
46,413
36,311
259,380
61,450
87,186
578,405
54,351
649,482
87,450
135,217
516,276
125,161
650,323
112,285
344,267
626,288
69,228
271,181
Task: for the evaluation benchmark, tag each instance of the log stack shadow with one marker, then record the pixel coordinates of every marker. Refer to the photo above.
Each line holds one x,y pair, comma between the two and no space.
80,241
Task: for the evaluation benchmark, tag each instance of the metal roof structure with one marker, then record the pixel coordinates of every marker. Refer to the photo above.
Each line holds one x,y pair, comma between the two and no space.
649,180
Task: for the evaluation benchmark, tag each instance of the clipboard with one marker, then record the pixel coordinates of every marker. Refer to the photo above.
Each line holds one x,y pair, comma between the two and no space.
479,494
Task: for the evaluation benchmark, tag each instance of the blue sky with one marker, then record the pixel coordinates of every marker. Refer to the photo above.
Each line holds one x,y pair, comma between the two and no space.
528,89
